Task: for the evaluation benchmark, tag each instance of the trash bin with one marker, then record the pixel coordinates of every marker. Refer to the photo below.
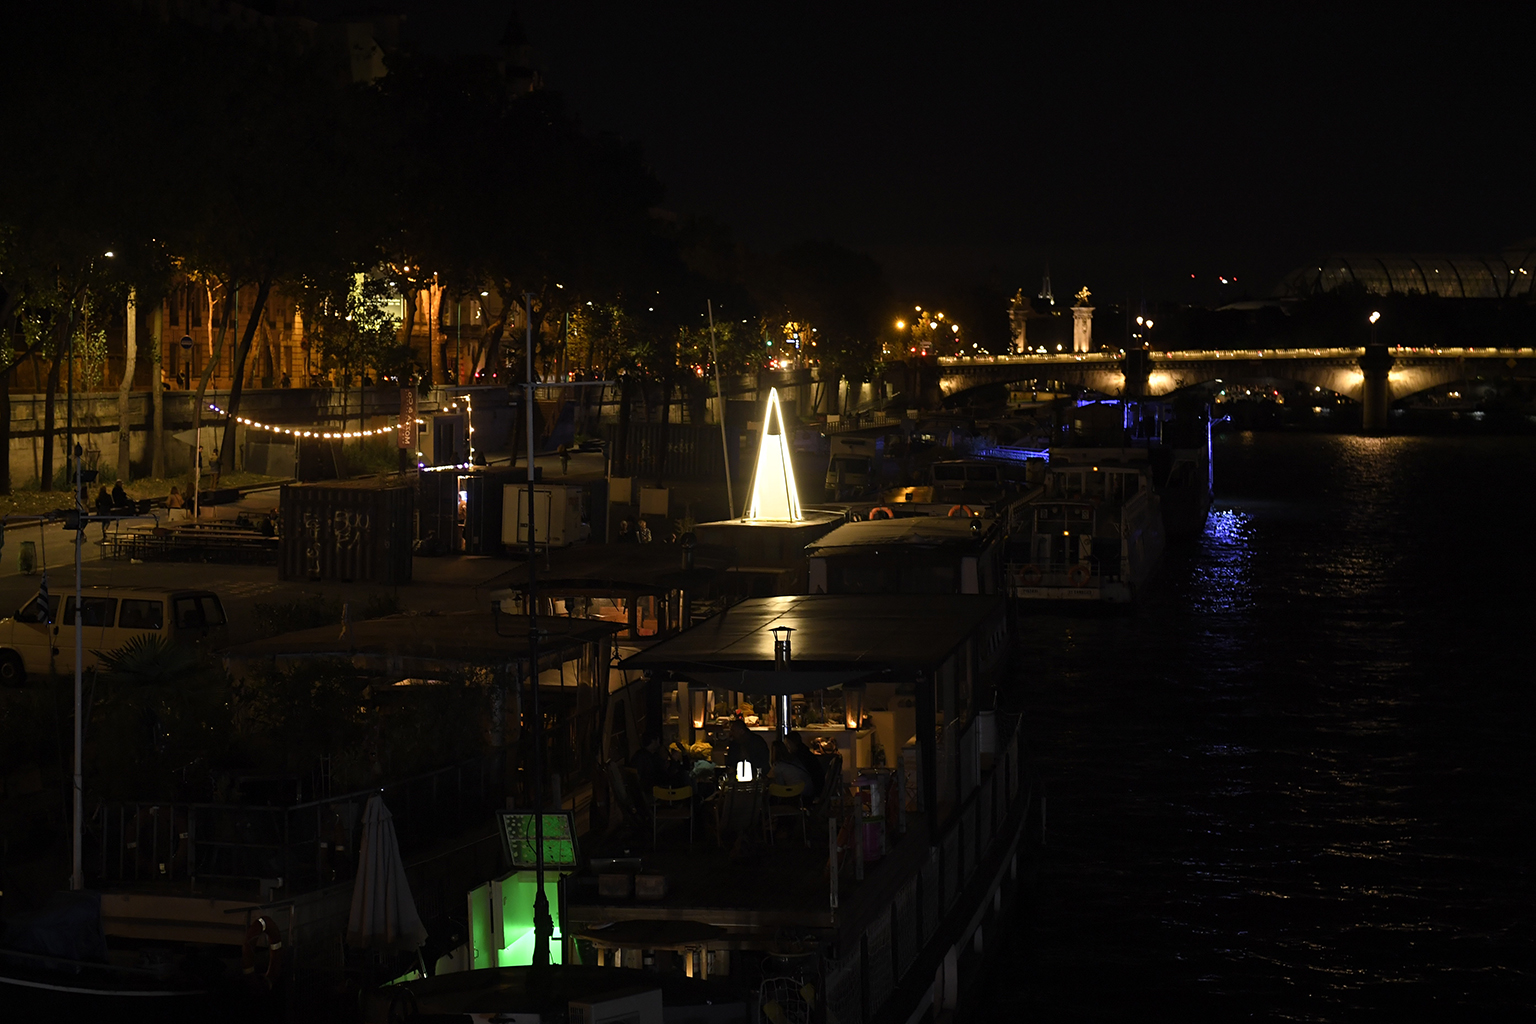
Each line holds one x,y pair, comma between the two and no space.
27,560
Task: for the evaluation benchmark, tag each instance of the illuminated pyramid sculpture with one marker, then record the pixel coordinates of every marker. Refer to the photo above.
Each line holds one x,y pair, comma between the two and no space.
775,498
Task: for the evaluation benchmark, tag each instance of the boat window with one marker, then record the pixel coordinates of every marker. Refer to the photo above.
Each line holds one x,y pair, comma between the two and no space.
94,611
948,473
141,614
987,474
618,739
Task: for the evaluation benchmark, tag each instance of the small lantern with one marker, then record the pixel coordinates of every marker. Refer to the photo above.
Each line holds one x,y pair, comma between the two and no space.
701,699
743,771
853,706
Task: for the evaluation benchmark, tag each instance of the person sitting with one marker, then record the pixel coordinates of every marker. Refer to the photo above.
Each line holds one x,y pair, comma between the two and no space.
649,764
643,533
626,536
808,761
746,745
786,771
120,496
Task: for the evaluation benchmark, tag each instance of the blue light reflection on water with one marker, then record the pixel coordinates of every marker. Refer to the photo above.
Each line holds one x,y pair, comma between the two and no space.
1296,783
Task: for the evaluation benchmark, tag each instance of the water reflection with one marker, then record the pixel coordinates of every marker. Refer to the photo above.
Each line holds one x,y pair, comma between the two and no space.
1283,786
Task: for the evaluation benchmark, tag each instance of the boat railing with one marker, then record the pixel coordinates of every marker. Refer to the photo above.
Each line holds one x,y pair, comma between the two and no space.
979,834
1056,574
296,848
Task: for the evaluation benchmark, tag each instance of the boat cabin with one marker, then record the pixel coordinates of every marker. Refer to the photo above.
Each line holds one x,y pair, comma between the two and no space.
960,554
892,855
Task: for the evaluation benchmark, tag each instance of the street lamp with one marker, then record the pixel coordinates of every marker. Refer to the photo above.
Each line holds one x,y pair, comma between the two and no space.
1375,315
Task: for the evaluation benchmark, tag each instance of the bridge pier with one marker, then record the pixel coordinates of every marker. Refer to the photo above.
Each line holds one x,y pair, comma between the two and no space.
1376,391
1137,367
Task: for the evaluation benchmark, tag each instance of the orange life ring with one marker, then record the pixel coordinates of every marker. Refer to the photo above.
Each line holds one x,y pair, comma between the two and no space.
1029,576
263,925
1079,574
882,508
962,508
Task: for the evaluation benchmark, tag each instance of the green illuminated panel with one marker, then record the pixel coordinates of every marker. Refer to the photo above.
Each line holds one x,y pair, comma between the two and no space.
517,828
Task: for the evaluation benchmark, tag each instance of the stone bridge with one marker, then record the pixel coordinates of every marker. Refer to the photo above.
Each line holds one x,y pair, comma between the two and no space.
1375,376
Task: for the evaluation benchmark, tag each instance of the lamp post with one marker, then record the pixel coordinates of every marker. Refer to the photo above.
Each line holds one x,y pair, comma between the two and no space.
1375,316
543,923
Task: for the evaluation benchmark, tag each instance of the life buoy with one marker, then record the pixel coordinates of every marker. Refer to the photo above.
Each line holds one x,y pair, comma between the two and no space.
263,925
1079,575
1029,576
962,508
874,512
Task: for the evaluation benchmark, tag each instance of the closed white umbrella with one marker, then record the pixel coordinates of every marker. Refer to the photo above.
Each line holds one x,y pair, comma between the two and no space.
383,913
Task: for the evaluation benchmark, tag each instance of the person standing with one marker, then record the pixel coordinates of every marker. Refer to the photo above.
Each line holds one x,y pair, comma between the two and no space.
103,508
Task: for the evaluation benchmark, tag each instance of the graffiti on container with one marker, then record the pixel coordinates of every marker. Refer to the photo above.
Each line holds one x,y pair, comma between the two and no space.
347,531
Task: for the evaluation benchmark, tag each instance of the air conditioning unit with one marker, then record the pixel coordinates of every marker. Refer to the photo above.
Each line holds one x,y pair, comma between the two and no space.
629,1006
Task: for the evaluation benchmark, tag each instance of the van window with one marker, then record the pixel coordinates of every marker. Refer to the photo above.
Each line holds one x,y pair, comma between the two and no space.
188,614
141,614
94,611
36,611
213,611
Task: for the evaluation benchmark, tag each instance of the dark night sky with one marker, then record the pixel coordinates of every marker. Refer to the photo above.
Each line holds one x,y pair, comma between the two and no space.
1128,149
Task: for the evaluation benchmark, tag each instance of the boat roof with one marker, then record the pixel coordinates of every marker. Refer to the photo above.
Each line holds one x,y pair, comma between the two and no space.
907,532
837,638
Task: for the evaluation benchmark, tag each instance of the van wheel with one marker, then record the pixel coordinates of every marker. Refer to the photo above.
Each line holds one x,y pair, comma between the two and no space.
12,672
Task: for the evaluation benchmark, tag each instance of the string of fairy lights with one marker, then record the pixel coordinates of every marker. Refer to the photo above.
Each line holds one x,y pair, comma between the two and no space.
316,430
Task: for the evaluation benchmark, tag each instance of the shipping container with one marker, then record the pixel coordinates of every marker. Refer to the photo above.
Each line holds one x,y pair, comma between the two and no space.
359,532
558,518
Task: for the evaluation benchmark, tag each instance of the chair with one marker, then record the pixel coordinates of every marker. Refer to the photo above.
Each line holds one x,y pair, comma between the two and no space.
786,802
832,789
737,806
666,807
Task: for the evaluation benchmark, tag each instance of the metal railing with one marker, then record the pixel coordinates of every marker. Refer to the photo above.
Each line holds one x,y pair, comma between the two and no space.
299,848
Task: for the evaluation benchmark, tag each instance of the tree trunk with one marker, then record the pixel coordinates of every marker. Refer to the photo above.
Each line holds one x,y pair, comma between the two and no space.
237,383
63,350
45,475
157,396
621,443
215,352
124,397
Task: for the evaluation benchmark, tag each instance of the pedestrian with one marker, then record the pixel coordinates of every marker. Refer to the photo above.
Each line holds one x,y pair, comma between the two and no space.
565,460
103,508
175,500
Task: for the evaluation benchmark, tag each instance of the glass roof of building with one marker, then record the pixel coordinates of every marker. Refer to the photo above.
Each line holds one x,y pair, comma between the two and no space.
1510,274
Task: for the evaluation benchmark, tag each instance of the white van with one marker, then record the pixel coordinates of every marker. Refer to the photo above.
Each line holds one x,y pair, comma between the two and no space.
39,639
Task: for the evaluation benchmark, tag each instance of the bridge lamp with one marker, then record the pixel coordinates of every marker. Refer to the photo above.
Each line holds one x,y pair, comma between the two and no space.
1374,318
901,325
1138,320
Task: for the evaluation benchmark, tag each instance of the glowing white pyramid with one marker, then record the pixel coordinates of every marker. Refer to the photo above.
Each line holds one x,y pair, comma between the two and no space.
774,495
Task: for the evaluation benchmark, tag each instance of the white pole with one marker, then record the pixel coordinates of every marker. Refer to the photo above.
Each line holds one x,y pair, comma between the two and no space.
725,448
77,872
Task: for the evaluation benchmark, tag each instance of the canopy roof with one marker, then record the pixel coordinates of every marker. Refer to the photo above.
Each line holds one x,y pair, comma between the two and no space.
1509,274
837,638
426,642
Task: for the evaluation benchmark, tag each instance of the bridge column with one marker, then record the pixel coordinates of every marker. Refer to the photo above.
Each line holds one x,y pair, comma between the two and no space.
1137,367
1376,392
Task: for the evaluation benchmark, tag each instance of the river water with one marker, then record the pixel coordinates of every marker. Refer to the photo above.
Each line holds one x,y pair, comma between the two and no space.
1296,783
